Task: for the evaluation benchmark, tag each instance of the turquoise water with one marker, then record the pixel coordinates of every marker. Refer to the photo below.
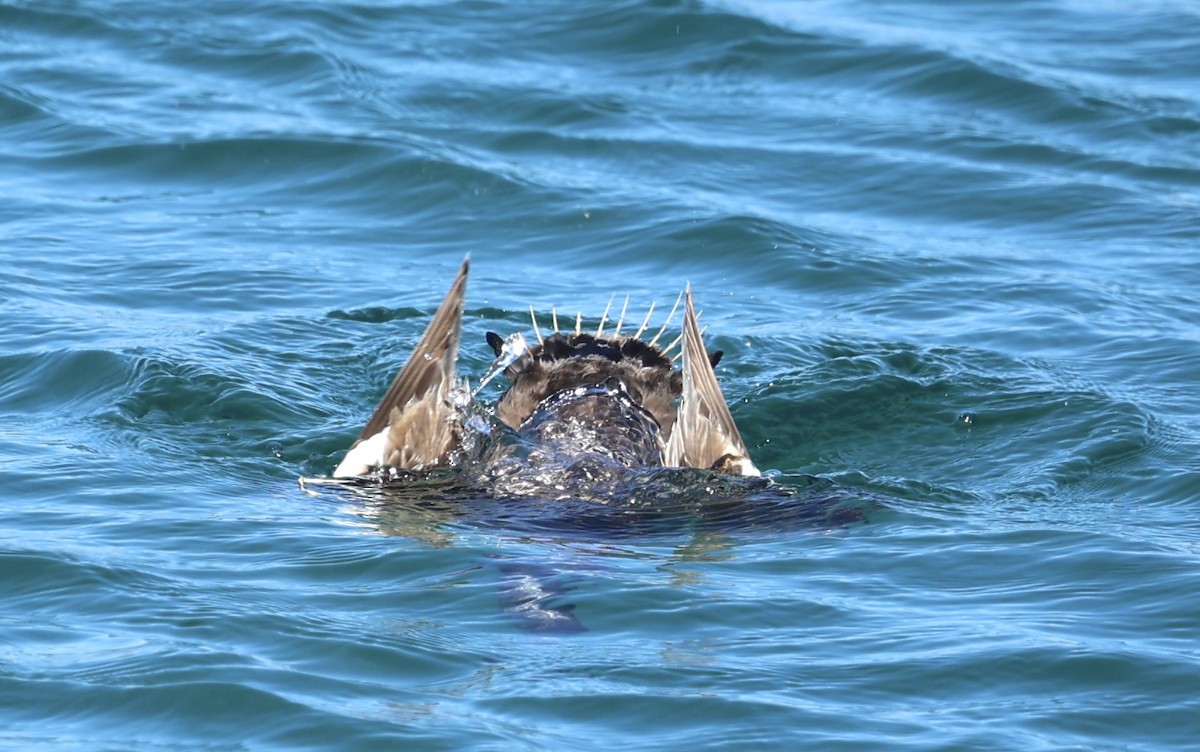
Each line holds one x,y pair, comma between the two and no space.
949,250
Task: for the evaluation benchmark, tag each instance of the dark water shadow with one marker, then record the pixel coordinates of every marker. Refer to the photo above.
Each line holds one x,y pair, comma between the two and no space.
700,514
659,502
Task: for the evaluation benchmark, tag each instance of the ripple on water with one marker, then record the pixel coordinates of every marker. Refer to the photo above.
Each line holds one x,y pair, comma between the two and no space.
227,224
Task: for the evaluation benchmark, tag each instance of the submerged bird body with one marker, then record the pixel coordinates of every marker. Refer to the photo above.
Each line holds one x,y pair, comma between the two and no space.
581,410
613,396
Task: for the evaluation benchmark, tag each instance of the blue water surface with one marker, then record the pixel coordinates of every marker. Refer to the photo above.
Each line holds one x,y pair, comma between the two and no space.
949,250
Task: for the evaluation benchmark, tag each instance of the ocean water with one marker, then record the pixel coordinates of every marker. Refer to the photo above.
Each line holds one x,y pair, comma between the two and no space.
949,249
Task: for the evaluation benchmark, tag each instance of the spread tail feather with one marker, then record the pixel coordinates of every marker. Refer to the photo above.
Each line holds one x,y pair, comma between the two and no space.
416,423
704,434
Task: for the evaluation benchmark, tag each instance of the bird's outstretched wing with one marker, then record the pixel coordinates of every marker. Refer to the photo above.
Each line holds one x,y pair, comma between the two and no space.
704,434
416,424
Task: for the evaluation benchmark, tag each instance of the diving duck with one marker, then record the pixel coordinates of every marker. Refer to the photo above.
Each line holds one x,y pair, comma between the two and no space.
586,403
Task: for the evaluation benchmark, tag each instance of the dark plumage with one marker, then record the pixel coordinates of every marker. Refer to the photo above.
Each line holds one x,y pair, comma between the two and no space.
579,400
565,361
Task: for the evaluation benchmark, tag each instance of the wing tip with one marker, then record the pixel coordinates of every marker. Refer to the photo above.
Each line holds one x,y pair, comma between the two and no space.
422,384
709,437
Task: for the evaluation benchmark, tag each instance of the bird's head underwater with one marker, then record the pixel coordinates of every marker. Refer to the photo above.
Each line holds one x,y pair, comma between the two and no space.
579,402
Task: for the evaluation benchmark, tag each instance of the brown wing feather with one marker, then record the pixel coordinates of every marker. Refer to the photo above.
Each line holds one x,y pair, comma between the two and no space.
705,434
416,412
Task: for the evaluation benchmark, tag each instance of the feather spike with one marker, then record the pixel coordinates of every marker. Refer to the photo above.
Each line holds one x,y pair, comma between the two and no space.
670,316
671,346
536,330
604,316
645,322
621,318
